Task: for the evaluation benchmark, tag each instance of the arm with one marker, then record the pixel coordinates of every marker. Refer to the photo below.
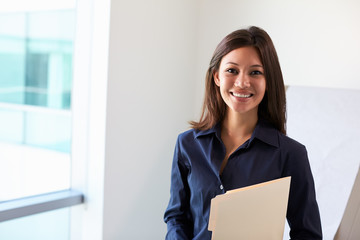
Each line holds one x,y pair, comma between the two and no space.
303,212
177,215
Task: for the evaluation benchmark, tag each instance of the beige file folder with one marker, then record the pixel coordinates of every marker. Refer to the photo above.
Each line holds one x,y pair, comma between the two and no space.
253,212
349,228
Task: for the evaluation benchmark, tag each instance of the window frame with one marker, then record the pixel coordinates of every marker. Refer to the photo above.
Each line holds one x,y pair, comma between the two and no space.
27,206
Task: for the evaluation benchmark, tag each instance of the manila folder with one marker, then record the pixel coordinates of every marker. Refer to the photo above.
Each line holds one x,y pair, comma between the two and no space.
253,212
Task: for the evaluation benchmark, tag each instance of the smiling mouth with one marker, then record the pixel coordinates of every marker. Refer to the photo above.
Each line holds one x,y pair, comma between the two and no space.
240,95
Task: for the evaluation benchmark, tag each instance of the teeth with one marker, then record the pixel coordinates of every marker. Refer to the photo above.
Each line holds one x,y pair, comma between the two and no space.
241,95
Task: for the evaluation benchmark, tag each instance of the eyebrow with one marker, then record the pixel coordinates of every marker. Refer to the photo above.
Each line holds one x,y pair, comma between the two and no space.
256,65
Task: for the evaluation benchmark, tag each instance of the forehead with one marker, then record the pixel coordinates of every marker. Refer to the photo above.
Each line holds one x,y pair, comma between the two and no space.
243,56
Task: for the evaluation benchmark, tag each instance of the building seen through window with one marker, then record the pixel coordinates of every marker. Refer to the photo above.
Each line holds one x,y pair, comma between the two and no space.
36,57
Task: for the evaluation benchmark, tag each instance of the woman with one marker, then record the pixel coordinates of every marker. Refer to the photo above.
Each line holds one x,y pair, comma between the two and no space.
240,140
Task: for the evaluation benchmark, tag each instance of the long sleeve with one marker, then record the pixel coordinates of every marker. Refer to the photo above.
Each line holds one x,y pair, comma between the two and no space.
303,213
177,215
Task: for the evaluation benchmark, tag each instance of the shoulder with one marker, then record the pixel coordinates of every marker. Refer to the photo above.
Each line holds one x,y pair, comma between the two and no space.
289,144
292,150
289,148
188,135
187,145
267,133
186,139
194,141
295,156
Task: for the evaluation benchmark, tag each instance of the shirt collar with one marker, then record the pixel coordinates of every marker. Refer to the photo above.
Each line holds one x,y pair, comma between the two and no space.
216,129
264,132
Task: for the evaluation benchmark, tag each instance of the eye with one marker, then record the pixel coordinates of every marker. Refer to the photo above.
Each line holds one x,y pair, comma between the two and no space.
232,70
256,72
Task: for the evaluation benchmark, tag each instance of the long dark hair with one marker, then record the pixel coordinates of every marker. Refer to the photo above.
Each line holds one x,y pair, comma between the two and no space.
273,105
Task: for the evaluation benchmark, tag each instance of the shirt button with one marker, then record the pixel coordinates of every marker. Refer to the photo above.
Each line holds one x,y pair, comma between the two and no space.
221,187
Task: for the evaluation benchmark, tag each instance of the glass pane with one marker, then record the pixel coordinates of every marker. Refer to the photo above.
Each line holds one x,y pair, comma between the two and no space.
54,225
36,58
36,55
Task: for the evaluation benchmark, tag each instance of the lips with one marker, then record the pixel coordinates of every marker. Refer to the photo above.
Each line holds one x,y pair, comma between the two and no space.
242,95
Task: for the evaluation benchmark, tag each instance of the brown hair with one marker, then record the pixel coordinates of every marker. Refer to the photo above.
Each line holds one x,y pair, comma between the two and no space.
273,105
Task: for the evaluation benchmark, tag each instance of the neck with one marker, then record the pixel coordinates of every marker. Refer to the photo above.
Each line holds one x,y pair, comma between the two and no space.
235,124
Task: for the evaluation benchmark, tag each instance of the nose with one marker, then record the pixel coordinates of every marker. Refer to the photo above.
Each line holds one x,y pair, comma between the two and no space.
242,81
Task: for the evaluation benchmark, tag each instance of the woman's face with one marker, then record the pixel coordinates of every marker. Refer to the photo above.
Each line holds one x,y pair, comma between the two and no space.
241,80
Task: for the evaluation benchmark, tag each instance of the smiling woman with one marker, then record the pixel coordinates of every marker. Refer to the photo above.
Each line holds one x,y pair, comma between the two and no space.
239,141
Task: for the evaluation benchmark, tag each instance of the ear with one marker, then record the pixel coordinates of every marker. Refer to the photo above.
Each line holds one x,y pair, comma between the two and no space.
217,79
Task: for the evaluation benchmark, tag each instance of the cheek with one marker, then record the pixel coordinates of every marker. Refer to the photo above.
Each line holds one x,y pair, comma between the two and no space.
226,82
262,86
223,88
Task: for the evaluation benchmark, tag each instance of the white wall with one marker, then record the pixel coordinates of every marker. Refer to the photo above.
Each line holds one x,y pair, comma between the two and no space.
150,98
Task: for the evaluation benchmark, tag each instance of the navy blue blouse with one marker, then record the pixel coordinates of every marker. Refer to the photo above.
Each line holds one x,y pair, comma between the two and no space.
266,156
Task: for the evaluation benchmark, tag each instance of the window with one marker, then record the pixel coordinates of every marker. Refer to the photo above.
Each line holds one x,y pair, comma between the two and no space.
36,68
36,49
